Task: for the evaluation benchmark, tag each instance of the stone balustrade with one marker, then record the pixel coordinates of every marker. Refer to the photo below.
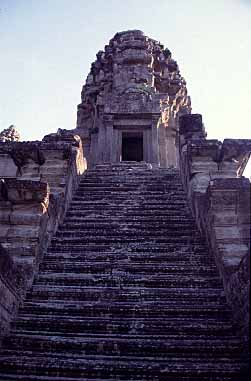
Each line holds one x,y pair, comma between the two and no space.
220,200
24,217
37,183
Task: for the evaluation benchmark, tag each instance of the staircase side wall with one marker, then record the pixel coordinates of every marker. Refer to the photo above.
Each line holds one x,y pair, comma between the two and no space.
31,208
24,217
220,202
12,282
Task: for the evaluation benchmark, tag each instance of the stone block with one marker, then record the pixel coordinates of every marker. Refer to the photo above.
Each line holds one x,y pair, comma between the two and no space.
199,183
20,191
225,218
229,168
227,232
4,231
24,215
203,166
207,150
7,166
231,263
23,232
5,212
191,126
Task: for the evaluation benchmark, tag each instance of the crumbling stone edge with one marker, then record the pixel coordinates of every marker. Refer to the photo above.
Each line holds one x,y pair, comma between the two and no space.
36,187
219,197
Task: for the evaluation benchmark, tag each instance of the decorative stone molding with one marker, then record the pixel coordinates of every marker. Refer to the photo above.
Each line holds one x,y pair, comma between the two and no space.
220,202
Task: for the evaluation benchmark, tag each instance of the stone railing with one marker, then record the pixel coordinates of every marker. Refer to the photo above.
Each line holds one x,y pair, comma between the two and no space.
37,183
220,200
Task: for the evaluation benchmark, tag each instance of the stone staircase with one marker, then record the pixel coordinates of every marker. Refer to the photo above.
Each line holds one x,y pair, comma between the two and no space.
126,291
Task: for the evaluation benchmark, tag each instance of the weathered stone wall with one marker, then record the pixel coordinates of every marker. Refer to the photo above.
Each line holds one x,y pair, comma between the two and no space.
31,207
23,221
12,286
23,218
220,202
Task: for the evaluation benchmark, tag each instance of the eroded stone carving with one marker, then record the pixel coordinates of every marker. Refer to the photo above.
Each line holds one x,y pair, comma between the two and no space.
133,78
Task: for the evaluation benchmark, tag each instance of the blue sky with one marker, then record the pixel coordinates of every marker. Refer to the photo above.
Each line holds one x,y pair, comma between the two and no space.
47,47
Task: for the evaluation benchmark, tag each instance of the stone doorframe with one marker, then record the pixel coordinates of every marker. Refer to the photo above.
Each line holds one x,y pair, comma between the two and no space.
110,136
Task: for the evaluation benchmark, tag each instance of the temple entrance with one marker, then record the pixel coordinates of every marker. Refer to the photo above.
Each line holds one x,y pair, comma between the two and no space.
132,146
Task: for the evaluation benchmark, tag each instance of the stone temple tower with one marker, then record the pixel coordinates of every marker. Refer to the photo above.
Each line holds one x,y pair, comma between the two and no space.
131,102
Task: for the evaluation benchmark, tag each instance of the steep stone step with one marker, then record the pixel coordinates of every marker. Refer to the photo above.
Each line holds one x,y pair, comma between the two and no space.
144,248
64,293
74,225
184,368
176,192
143,185
177,206
136,193
177,257
122,279
166,215
101,216
166,205
123,233
137,268
151,326
123,240
127,309
125,345
158,220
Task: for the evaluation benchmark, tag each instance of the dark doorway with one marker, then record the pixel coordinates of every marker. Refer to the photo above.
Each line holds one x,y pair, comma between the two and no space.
132,146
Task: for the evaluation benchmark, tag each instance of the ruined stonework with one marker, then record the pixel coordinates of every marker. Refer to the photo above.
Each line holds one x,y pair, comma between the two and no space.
219,197
36,186
132,98
125,243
